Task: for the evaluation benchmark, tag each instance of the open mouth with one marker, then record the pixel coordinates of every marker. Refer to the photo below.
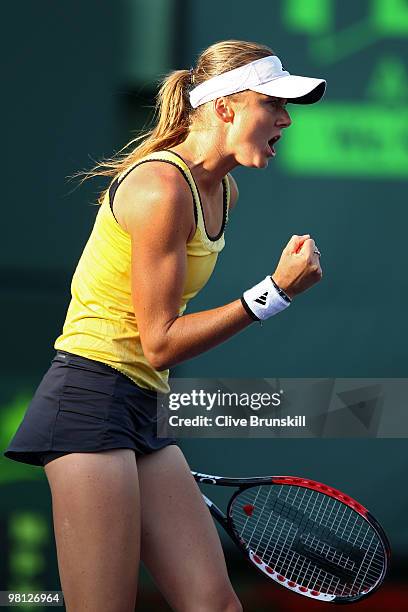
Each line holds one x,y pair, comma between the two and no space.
271,144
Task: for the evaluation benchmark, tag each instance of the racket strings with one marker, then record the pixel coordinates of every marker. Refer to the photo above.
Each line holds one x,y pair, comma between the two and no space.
309,538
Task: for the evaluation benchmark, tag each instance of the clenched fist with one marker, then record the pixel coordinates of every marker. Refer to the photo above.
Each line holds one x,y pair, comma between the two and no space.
299,266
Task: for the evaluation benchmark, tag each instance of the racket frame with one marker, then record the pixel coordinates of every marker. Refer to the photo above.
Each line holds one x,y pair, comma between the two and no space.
242,484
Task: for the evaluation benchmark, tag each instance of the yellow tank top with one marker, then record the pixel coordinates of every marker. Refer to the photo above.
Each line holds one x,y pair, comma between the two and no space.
100,322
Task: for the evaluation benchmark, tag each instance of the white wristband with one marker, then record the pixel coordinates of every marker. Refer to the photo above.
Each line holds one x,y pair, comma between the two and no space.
264,300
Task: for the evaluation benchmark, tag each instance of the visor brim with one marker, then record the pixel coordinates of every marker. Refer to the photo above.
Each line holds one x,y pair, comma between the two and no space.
296,89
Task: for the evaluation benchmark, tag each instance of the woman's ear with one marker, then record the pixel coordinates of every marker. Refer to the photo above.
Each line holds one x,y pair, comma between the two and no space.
224,109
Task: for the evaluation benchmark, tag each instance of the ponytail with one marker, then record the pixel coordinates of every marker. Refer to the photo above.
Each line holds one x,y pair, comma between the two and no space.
172,110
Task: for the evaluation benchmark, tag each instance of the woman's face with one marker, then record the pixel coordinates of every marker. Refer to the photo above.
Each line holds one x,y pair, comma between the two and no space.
258,122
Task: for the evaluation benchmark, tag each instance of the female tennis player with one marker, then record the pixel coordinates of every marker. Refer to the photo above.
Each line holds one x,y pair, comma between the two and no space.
118,492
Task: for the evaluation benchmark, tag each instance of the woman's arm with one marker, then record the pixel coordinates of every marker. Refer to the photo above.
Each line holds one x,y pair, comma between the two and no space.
159,218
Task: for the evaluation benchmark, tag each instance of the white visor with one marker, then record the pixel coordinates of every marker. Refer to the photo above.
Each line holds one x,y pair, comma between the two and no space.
266,76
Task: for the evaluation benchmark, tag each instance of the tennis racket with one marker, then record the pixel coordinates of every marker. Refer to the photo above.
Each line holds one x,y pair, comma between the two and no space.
306,536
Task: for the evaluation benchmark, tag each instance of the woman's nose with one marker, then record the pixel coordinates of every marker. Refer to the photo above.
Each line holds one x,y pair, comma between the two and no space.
284,119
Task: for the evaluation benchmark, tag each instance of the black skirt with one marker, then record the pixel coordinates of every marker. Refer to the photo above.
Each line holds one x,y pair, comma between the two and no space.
82,405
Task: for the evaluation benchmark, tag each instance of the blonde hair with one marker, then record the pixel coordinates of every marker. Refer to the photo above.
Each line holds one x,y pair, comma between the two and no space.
173,110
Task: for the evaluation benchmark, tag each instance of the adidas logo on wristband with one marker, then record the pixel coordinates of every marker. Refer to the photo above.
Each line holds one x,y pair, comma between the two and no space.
264,300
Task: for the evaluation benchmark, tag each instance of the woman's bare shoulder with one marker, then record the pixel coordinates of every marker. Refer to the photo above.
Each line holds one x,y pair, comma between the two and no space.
153,188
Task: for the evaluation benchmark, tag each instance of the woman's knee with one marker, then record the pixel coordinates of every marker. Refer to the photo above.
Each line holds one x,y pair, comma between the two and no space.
228,602
205,599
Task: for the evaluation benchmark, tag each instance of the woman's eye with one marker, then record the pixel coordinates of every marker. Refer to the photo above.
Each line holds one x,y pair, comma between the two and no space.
277,104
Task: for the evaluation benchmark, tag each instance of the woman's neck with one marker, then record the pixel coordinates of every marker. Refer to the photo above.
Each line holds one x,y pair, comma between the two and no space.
206,160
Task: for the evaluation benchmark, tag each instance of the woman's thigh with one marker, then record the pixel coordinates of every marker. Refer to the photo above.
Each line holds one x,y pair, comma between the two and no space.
95,499
179,542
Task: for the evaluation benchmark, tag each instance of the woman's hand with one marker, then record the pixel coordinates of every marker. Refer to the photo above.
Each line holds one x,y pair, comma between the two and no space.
299,266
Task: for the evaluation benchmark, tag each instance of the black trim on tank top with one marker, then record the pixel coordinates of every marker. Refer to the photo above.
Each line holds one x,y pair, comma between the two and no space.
224,202
115,184
112,191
